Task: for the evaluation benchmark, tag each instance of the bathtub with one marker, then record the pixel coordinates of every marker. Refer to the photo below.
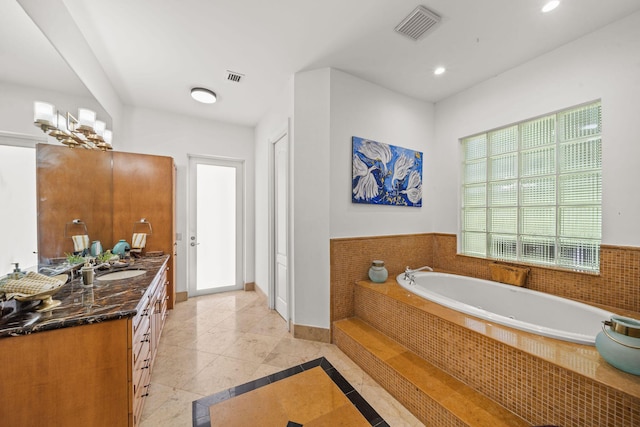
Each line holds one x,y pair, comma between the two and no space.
519,308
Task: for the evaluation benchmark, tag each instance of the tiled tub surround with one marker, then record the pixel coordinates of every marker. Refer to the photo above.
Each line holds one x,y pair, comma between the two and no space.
542,380
351,259
617,285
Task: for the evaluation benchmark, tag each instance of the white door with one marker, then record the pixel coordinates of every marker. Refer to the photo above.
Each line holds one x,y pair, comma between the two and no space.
18,222
216,217
281,226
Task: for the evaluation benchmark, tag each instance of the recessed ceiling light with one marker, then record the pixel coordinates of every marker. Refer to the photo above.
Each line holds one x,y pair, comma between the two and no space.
439,70
203,95
550,6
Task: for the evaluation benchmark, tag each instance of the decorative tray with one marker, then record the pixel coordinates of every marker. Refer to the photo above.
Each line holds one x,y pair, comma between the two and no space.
34,286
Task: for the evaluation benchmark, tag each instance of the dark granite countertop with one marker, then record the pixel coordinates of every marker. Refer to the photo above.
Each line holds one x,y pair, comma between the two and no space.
106,300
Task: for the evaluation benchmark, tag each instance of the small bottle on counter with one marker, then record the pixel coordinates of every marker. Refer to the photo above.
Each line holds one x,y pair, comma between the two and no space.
378,272
17,273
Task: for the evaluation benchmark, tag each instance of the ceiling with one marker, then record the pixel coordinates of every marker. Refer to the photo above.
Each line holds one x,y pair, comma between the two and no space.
27,58
155,51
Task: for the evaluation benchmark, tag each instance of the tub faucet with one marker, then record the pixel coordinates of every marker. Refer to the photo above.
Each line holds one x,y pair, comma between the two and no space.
409,273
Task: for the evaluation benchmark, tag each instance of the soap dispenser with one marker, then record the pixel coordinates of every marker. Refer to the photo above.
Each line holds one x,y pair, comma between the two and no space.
17,273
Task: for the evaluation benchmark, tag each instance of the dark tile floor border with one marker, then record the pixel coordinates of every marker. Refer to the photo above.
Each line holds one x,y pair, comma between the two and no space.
200,408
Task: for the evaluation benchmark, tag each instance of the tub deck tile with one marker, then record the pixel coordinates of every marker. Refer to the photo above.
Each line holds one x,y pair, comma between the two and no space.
467,405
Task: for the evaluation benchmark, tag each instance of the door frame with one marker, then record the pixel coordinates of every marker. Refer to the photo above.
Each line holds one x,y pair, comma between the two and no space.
192,160
285,132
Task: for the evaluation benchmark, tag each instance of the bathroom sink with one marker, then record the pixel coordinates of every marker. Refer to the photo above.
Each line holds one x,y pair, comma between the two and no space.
119,275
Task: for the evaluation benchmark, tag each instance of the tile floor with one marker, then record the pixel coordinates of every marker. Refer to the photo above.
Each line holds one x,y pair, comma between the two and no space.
214,342
314,394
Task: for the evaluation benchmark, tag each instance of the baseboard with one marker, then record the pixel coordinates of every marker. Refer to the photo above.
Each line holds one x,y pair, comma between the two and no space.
311,333
182,296
259,291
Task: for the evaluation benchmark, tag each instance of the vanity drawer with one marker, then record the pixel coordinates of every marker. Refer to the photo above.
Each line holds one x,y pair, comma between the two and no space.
142,353
141,371
141,317
141,340
140,393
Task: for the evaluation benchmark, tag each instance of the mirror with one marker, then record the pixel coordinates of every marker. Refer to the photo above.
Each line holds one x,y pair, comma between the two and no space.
73,184
32,70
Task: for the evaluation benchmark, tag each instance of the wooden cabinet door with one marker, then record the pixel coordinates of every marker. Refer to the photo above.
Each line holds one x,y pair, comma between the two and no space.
72,183
66,377
143,187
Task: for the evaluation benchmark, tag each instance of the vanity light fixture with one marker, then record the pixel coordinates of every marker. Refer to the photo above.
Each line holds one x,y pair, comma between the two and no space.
84,131
203,95
549,6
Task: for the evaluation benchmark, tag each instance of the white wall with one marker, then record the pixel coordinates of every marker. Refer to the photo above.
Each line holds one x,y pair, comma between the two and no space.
16,107
363,109
270,126
311,198
57,24
165,134
602,65
331,106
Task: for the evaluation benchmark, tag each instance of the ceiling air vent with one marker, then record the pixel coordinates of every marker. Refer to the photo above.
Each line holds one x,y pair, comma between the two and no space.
418,23
232,76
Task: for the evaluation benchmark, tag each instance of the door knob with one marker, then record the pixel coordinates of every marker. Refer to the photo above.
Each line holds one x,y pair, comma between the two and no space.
194,244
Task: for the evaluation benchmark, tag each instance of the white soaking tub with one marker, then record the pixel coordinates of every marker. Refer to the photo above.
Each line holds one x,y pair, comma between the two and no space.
519,308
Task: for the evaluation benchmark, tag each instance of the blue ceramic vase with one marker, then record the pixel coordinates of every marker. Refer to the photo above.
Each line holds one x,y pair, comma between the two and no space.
377,272
121,247
96,248
620,345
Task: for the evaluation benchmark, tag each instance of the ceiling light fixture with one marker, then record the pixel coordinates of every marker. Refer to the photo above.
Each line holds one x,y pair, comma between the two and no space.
439,70
203,95
550,6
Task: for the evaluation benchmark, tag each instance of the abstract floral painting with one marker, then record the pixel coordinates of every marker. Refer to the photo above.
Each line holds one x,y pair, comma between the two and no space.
385,174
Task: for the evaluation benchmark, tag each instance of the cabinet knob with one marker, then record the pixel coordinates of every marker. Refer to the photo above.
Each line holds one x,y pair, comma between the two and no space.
147,393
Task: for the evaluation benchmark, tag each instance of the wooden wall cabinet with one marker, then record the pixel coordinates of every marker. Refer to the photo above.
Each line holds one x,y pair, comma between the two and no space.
109,191
72,183
144,187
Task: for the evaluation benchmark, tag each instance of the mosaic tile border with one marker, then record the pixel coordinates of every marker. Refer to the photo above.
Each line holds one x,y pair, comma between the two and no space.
200,407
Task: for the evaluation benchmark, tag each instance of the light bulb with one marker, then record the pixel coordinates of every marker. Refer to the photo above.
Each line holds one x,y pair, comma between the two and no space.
550,6
44,113
203,95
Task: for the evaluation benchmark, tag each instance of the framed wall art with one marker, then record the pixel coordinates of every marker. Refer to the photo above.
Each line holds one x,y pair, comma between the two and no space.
385,174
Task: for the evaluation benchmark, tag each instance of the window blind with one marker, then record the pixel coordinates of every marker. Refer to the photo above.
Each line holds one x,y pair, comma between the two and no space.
532,191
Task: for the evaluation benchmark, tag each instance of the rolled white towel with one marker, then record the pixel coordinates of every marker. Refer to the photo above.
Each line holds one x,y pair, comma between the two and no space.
139,240
80,242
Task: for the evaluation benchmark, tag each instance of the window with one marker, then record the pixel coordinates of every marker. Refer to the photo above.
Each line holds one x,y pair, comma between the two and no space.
532,192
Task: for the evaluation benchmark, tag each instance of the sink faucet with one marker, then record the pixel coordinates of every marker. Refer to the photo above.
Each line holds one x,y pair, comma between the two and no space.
409,274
